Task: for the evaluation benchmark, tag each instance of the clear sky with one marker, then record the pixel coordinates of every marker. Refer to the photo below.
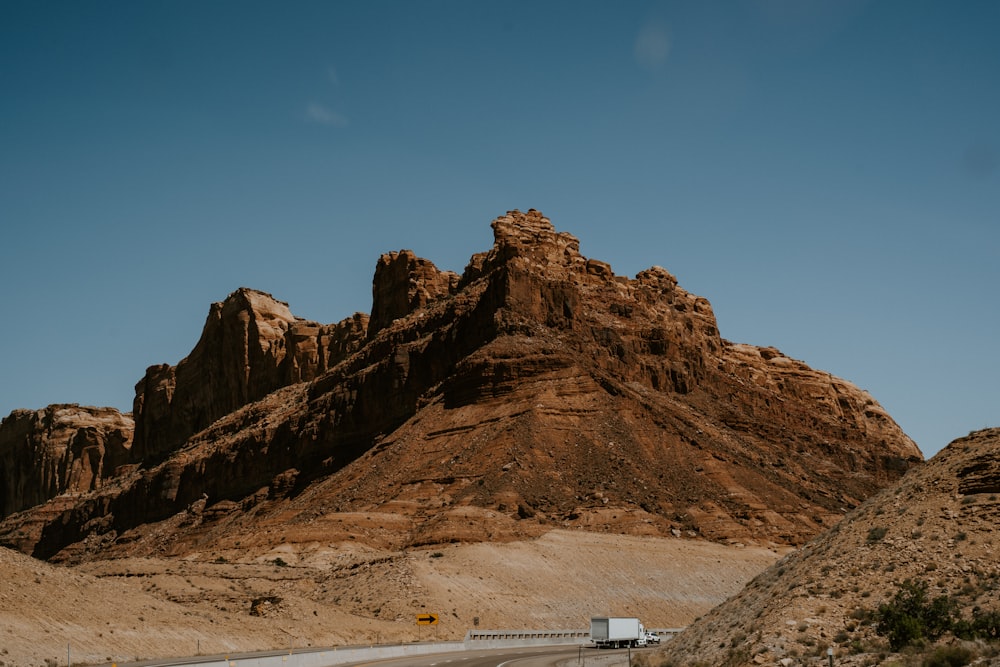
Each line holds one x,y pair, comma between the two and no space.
827,174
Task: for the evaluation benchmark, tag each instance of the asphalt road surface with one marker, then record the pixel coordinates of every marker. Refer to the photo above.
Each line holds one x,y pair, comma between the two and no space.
538,656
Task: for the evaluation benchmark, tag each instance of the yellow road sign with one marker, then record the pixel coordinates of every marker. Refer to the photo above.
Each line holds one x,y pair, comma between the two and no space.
427,619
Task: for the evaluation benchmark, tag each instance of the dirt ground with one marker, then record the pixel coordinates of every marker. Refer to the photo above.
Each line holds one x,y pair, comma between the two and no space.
344,593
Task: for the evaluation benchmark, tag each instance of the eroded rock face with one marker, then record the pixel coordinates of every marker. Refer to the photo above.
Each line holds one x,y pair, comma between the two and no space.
314,348
59,449
250,346
539,386
403,283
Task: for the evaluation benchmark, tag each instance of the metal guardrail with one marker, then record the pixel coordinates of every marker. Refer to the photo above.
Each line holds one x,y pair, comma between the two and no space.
483,637
493,635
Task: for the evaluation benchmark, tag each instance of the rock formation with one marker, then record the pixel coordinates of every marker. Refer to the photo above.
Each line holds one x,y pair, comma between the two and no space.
537,389
404,282
60,449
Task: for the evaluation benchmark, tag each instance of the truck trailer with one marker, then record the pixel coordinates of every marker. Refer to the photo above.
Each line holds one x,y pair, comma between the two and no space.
617,632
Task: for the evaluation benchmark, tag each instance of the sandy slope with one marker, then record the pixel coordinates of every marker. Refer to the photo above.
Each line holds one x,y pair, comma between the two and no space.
330,594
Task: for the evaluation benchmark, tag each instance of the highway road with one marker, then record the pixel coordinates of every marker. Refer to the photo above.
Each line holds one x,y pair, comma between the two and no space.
537,656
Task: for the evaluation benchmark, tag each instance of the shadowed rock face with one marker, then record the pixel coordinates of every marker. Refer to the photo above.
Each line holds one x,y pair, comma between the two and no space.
538,386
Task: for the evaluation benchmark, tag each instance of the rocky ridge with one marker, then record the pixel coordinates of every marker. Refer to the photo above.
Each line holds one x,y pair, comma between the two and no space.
538,385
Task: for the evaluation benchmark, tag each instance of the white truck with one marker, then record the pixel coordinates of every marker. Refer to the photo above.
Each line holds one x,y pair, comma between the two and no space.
619,632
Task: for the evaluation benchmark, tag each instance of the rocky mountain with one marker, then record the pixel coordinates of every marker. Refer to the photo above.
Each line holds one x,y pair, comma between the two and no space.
935,530
537,389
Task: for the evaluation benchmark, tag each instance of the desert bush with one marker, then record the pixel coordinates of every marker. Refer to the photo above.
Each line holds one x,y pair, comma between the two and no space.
862,614
949,656
876,534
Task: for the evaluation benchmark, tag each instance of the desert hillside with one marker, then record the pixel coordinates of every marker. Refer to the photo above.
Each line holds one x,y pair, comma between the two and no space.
937,528
336,594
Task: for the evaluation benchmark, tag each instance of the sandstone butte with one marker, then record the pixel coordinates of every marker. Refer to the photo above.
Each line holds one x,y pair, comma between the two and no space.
536,391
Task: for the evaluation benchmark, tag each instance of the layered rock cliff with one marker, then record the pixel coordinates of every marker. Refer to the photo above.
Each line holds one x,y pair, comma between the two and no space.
59,449
537,389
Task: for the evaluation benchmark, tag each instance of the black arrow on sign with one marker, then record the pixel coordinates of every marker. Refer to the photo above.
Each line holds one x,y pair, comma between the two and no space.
429,619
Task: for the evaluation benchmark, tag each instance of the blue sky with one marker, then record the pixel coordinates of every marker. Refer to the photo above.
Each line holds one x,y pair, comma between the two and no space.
827,174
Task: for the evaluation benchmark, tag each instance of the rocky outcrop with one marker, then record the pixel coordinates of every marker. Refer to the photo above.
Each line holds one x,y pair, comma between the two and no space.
403,283
251,345
538,385
59,449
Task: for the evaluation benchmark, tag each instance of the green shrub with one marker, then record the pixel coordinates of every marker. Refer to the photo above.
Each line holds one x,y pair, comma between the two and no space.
984,625
910,616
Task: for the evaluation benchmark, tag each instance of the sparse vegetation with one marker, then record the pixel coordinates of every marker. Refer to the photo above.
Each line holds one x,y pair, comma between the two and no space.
912,618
